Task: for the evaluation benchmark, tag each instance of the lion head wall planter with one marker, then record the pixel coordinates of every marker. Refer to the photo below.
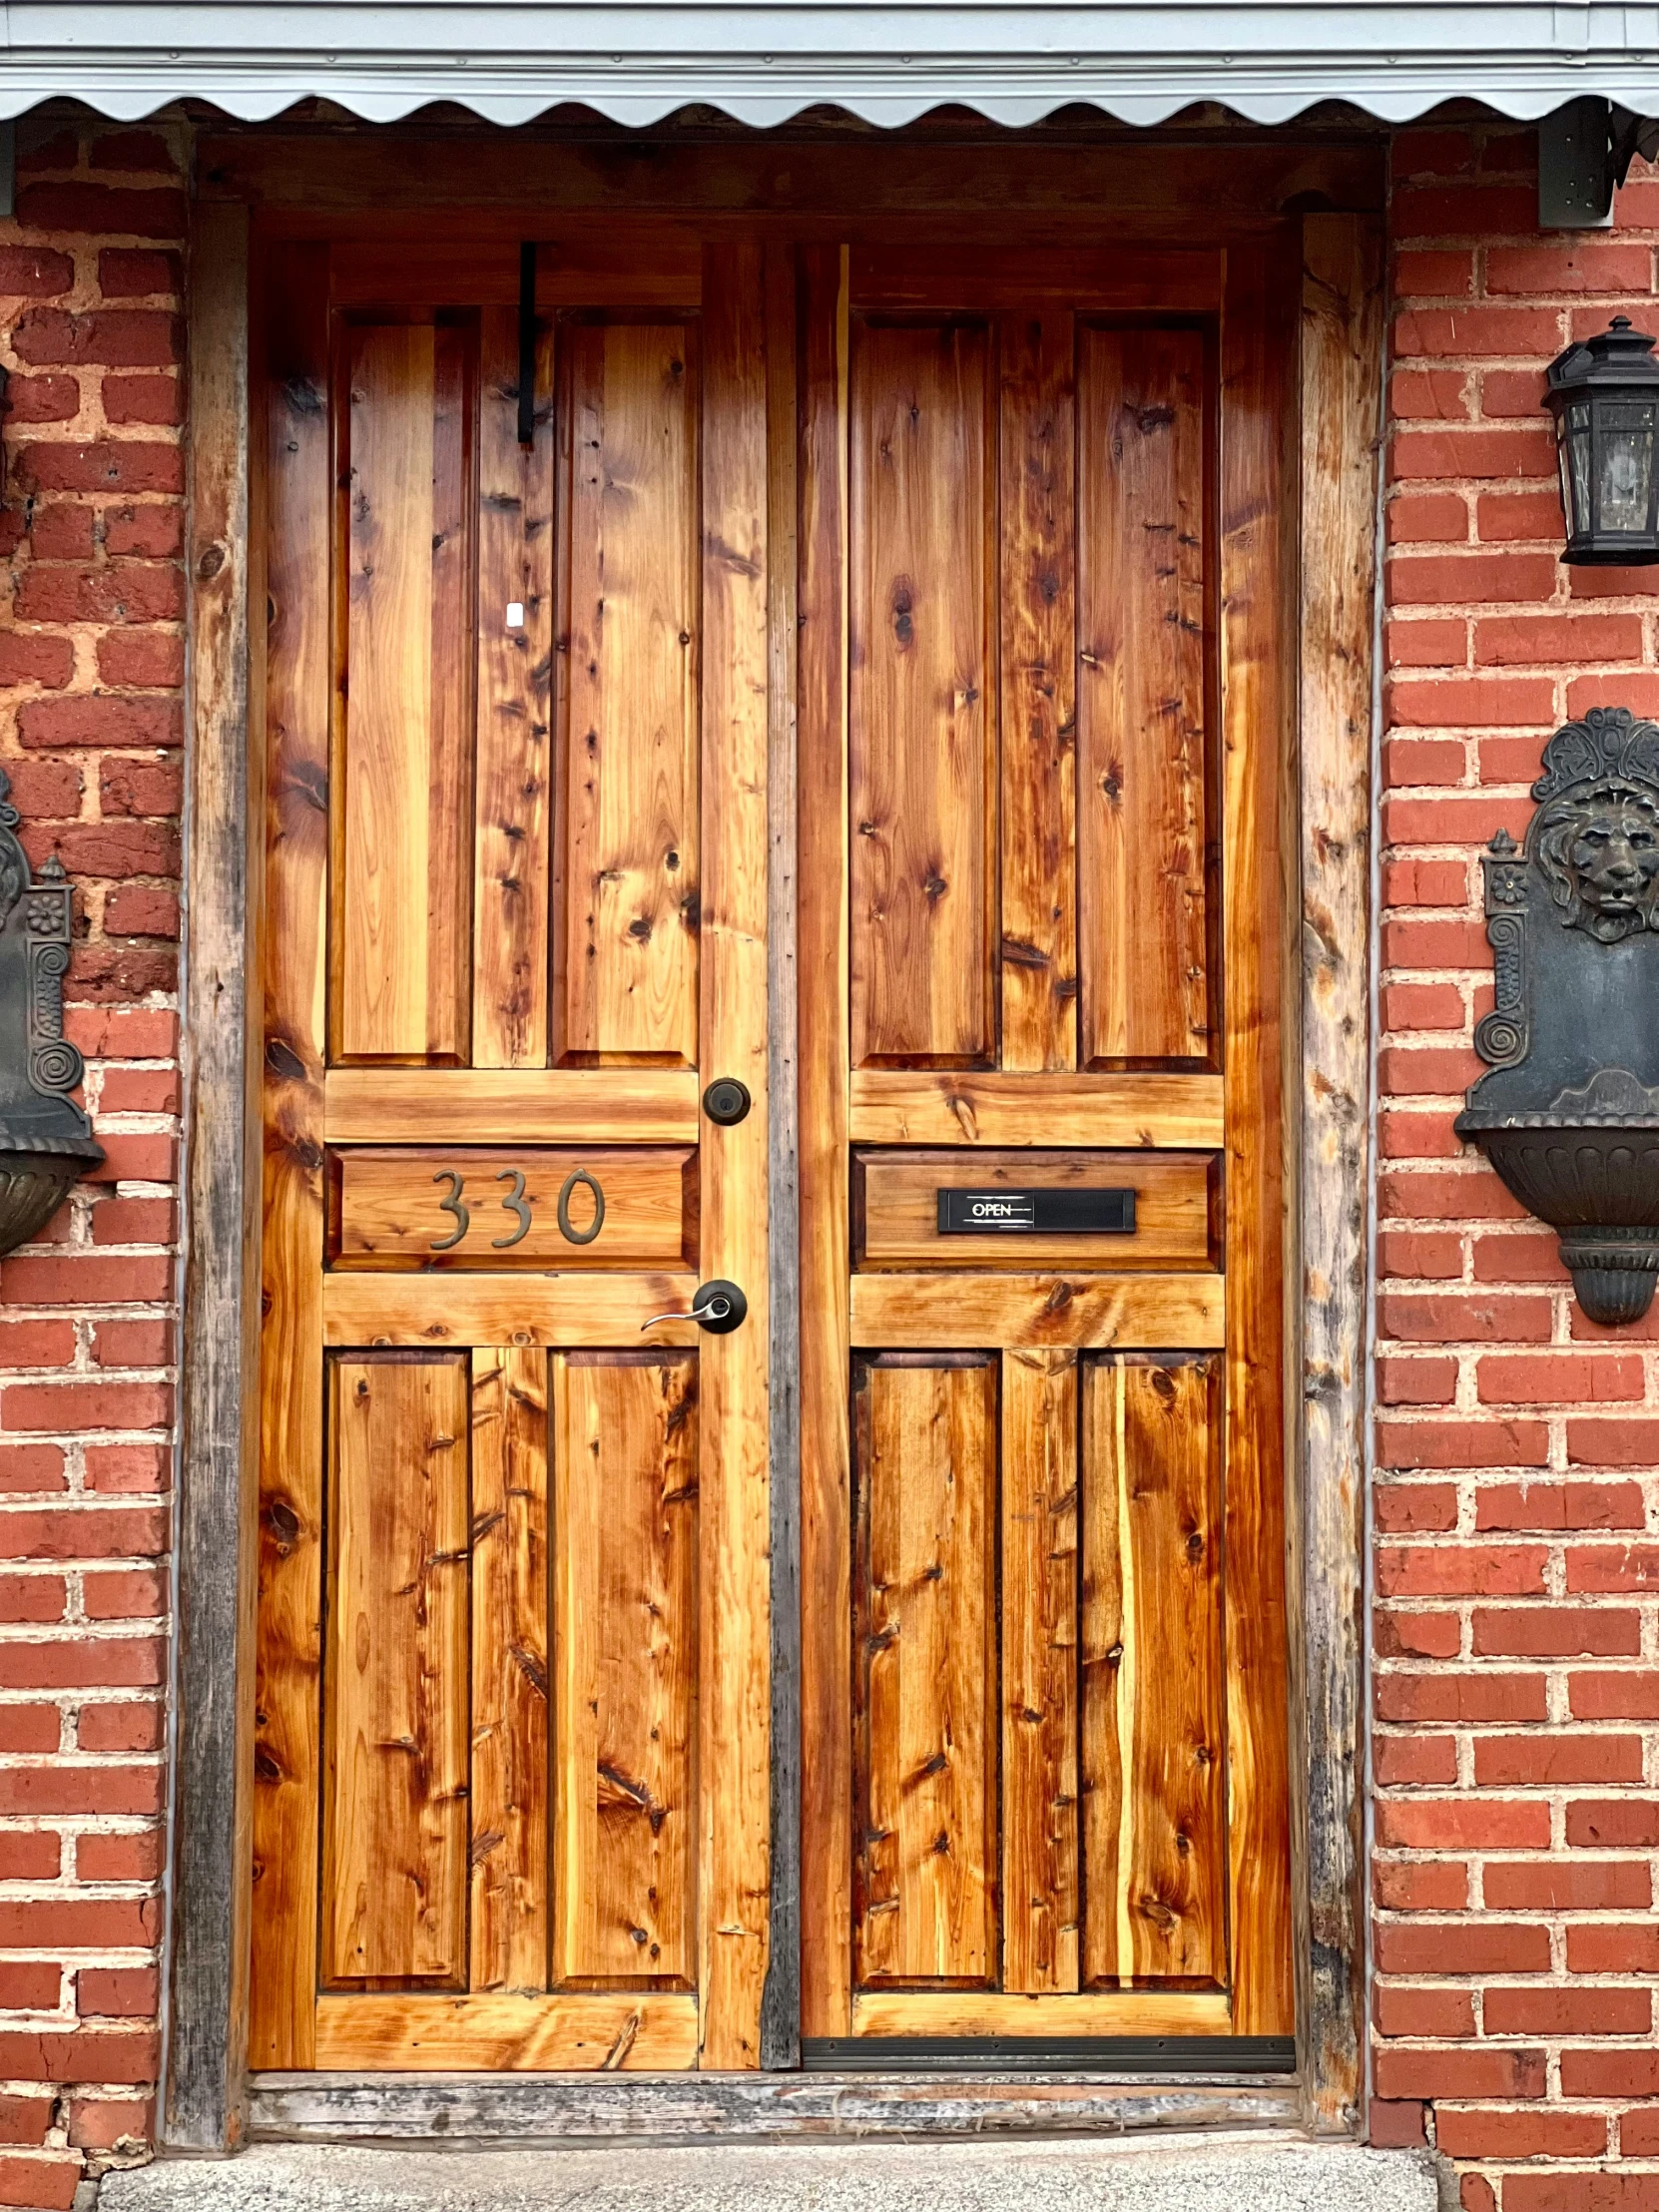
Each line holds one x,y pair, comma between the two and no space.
46,1141
1569,1113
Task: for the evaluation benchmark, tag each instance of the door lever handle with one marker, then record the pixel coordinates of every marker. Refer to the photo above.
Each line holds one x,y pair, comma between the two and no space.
716,1305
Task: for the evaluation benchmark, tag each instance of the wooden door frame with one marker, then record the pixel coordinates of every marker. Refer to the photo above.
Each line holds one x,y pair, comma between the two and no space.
1328,1047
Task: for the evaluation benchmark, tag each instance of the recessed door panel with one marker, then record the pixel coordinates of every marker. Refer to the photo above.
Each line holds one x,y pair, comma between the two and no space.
1154,1721
624,1642
924,1630
396,1674
628,853
923,490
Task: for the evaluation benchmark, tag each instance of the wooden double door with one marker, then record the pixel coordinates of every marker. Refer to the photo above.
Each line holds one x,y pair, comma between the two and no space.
792,816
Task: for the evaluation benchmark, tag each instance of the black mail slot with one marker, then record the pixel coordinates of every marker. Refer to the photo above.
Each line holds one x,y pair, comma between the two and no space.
1037,1213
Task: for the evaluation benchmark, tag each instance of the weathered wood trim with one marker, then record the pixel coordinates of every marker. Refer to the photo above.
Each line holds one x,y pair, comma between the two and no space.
821,925
1101,187
219,1413
202,2108
780,1996
1342,378
458,2108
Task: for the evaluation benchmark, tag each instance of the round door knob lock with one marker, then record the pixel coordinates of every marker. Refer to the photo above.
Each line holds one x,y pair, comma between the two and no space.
725,1101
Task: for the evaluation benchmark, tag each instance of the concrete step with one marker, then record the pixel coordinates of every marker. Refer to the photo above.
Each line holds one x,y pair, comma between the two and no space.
1262,2171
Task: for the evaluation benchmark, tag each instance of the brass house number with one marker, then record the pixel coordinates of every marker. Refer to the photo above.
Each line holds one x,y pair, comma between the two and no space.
455,1204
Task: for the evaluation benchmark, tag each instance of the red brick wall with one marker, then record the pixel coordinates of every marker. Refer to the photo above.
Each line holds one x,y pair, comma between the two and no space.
90,659
1517,1504
1516,1687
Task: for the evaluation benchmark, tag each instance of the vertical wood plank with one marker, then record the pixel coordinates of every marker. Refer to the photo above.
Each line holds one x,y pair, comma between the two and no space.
736,1641
924,1630
1154,1706
219,1369
405,894
396,1680
923,802
826,1507
626,887
1041,1895
1342,378
512,845
1257,658
1038,690
508,1929
780,2000
298,502
625,1553
453,695
1141,744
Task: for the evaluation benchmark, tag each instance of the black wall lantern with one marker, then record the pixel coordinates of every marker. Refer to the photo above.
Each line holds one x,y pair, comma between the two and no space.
1604,395
45,1139
1569,1113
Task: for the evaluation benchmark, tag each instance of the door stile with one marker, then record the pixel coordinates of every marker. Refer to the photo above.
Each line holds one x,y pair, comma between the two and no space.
735,1475
826,1263
1257,350
286,1783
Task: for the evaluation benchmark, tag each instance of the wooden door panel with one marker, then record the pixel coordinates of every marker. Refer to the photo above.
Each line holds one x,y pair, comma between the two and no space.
1041,1861
924,1608
896,1200
586,1207
945,1312
625,1668
1142,766
507,1804
391,1105
1154,1723
578,2031
513,1715
405,864
917,1106
627,872
1113,1025
591,1311
922,659
512,798
1038,556
396,1673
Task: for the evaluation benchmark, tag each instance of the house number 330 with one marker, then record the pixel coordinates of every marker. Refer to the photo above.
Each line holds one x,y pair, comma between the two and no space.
455,1204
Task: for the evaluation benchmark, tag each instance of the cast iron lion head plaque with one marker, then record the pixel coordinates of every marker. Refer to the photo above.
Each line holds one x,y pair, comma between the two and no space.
1569,1113
46,1141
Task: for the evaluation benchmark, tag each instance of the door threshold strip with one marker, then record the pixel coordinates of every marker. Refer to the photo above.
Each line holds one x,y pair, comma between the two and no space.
1194,2056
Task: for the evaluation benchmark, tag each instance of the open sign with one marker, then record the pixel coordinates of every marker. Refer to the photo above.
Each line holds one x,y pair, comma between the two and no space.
1037,1213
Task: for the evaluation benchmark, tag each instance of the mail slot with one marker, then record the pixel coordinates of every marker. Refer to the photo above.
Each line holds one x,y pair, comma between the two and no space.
1066,1211
1011,1208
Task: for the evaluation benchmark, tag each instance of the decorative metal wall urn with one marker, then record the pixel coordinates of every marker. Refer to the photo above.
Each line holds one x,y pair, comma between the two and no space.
1569,1113
45,1139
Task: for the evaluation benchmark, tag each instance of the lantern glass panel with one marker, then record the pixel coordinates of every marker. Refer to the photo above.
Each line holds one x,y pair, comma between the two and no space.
1624,472
1573,434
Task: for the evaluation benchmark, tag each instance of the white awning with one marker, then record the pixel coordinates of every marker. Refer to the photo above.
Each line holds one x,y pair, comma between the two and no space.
1014,61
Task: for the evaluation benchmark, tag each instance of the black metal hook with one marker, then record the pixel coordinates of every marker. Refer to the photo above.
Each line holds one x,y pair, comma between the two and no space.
527,343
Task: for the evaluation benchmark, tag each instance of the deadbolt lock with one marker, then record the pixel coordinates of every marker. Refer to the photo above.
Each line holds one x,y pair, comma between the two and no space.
725,1101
